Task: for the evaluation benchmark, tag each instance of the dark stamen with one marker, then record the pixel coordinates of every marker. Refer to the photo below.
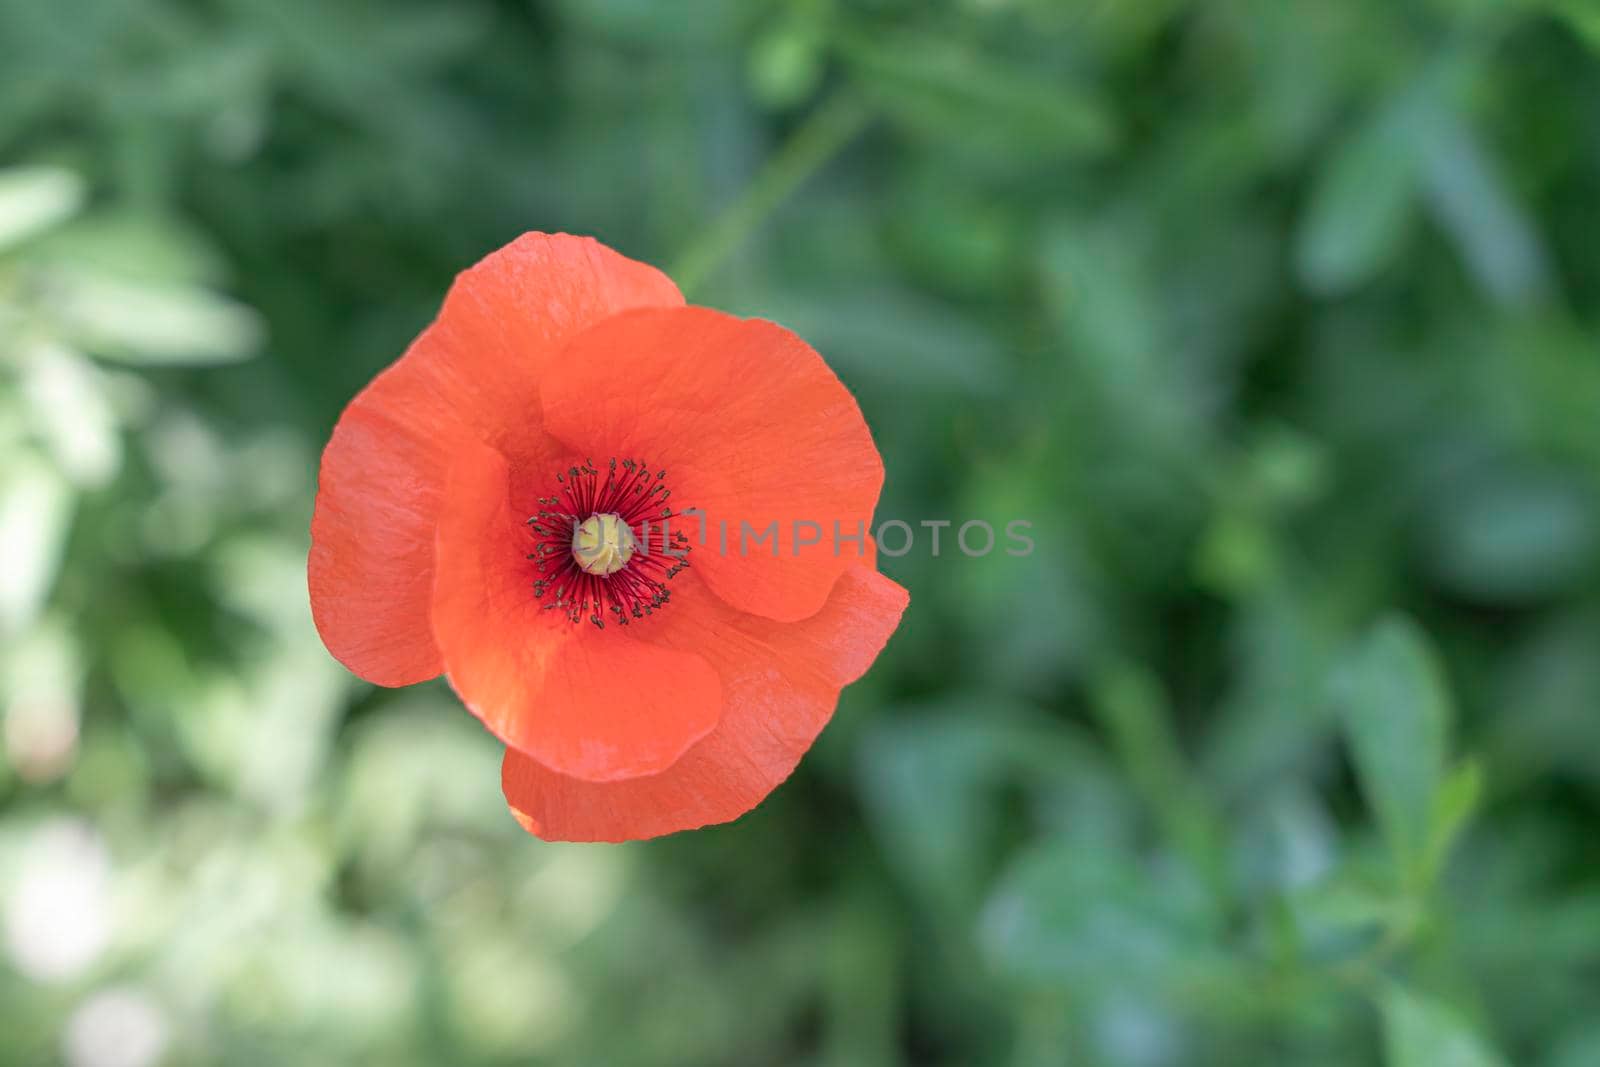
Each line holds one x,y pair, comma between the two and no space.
638,587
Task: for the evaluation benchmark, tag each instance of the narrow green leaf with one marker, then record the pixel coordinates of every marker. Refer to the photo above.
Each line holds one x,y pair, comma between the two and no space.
1466,191
976,102
1396,714
1132,707
150,247
1453,807
1345,907
1361,204
153,324
1421,1032
36,507
32,199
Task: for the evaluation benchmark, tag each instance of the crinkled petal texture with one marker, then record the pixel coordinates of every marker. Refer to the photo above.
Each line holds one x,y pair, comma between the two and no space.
474,374
780,683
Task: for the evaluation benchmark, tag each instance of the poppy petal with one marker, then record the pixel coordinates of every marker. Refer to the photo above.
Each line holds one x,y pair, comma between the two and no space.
370,570
595,704
780,683
755,430
473,373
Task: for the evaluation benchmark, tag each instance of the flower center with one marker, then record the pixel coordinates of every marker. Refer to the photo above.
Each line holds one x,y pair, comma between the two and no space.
604,546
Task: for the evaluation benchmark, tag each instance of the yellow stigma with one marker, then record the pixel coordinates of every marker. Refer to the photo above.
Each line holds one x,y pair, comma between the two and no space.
602,544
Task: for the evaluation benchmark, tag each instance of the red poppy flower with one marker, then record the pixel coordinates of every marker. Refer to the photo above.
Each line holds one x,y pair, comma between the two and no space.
631,533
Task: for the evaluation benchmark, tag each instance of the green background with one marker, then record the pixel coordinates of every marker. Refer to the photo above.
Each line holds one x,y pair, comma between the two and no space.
1277,318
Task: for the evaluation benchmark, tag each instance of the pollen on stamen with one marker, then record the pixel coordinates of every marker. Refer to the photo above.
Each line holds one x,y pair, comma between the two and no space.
603,546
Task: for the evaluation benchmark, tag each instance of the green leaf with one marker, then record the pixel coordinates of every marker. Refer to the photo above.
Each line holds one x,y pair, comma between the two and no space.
137,246
1421,1032
153,324
1361,205
1466,190
924,782
1396,714
36,507
1341,910
786,64
929,781
32,199
976,104
1092,915
1453,807
71,410
1513,536
1134,710
1583,16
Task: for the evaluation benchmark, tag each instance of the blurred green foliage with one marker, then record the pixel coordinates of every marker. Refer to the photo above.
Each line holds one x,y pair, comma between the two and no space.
1277,318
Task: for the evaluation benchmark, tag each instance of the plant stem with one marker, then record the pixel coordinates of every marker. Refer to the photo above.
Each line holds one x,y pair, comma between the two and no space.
825,131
